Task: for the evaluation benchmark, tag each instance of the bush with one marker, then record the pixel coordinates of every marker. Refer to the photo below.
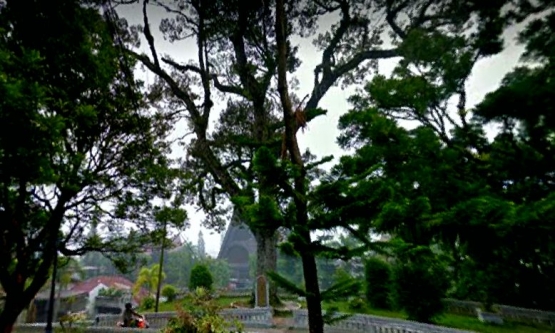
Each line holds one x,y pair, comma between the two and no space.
200,278
356,303
344,286
201,314
148,303
110,292
169,292
418,289
378,283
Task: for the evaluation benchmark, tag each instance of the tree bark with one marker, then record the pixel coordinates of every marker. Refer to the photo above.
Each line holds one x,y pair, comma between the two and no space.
313,297
301,225
266,259
13,306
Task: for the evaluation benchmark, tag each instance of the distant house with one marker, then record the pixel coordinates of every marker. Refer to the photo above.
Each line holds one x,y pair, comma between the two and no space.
68,301
84,296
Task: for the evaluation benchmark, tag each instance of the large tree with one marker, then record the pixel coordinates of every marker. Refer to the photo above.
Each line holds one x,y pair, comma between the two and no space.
444,184
236,57
78,147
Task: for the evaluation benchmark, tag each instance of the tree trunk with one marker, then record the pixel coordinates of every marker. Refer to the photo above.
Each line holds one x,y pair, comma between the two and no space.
301,226
313,298
31,312
13,306
266,259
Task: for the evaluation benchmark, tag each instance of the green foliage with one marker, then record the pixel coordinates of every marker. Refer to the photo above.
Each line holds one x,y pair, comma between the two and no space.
200,277
79,148
356,303
287,285
420,282
178,264
343,287
200,314
148,279
472,199
110,292
169,292
436,58
341,275
377,274
148,303
290,268
220,271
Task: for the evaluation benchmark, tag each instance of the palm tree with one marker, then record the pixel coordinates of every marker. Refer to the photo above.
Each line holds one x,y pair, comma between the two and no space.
148,279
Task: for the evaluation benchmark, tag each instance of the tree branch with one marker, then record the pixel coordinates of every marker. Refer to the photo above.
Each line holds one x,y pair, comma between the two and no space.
329,80
148,35
221,87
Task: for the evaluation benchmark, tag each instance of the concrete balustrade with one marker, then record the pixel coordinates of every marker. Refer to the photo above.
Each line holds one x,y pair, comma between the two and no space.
508,313
512,313
368,323
39,328
249,318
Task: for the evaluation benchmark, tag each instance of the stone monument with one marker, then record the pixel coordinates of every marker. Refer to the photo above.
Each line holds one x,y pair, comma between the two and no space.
261,293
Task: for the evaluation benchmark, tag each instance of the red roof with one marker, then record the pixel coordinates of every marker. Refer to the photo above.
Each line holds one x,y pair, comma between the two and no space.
114,281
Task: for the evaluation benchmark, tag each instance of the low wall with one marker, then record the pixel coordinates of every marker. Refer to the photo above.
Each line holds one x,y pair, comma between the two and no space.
39,328
461,307
508,313
516,314
368,323
249,317
261,318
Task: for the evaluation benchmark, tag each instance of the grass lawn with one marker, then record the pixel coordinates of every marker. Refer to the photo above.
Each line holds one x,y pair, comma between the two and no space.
452,320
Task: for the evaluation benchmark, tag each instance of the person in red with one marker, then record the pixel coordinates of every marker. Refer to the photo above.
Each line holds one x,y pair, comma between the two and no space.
129,316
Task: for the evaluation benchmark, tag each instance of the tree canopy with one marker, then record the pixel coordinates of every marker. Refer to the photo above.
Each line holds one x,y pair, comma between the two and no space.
482,205
79,147
84,149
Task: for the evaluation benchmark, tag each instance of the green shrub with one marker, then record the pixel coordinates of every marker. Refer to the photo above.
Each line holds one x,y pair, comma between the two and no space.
110,292
377,274
169,292
356,303
148,303
418,289
200,278
201,314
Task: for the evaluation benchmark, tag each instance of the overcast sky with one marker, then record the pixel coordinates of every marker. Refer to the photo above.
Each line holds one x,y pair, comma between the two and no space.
322,132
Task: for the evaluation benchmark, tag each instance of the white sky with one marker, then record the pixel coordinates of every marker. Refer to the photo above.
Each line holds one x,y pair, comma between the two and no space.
322,132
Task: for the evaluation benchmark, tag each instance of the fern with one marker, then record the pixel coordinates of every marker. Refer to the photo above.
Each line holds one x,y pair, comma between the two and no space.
331,316
286,284
341,289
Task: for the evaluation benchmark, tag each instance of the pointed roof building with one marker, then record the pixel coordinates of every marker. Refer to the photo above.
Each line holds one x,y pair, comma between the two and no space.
237,247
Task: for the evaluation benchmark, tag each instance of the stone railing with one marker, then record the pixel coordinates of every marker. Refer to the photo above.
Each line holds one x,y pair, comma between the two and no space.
234,293
249,317
508,313
512,313
248,293
368,323
461,307
262,318
39,328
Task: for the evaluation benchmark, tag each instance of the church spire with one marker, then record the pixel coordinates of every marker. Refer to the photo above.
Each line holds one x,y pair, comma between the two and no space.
200,245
